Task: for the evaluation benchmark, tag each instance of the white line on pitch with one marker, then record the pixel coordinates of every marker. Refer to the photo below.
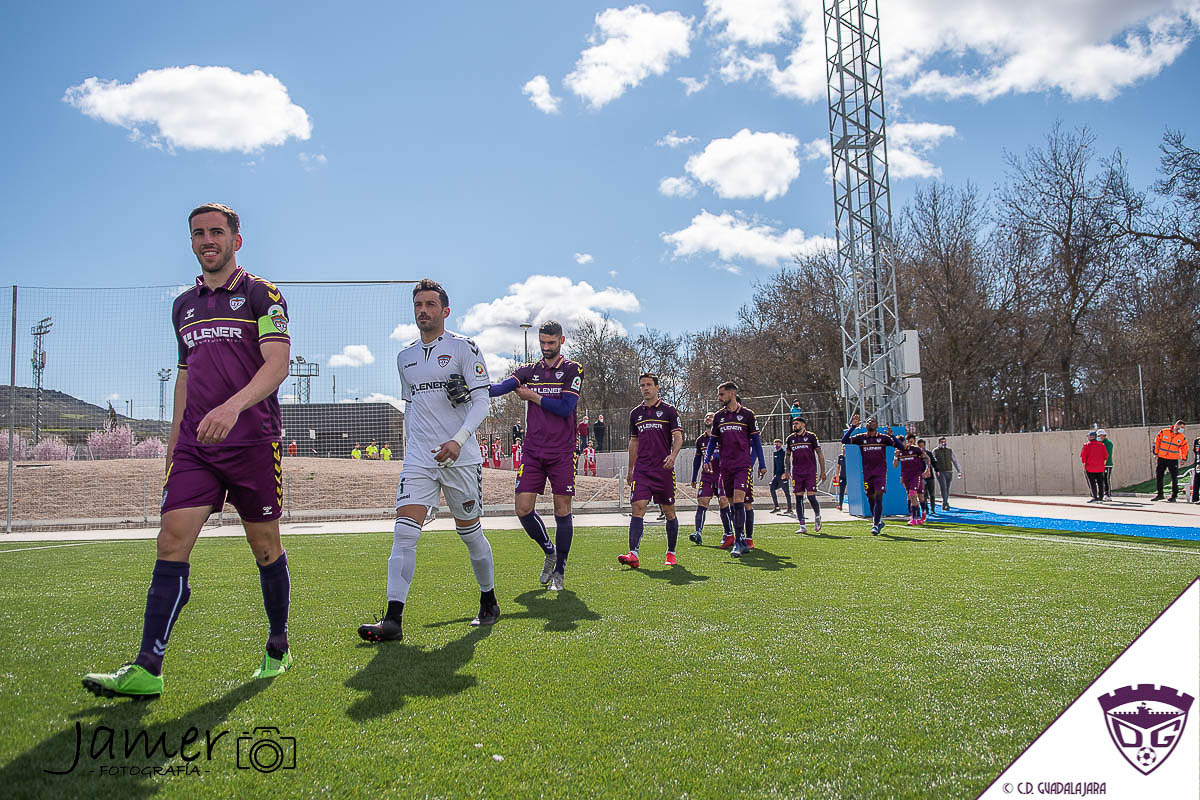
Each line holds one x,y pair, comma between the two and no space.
1051,539
51,546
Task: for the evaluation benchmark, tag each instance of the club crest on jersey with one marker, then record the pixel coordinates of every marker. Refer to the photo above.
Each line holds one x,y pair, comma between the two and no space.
1145,722
443,360
558,375
236,302
659,412
739,417
278,318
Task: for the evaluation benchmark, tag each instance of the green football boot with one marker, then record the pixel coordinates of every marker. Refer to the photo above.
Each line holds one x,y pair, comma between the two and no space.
130,680
274,666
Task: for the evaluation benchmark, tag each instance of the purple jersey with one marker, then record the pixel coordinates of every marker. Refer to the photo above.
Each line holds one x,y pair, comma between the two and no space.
803,447
219,333
912,463
733,431
654,427
548,433
702,447
874,451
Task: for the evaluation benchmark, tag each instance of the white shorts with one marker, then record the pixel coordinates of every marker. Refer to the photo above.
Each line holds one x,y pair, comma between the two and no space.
462,486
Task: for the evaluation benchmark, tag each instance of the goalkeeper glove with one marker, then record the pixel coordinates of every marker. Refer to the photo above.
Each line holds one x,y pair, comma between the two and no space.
457,391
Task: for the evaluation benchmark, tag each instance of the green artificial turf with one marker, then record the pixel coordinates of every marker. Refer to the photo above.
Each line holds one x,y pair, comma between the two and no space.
1150,485
826,666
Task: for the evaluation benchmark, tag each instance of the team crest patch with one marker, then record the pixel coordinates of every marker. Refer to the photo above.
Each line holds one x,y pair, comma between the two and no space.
236,302
558,375
443,360
278,318
739,417
659,412
467,506
1145,722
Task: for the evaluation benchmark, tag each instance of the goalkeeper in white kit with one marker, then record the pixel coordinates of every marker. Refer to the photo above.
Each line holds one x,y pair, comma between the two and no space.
444,380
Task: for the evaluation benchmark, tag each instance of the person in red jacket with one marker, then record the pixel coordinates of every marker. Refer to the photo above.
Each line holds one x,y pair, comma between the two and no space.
1094,457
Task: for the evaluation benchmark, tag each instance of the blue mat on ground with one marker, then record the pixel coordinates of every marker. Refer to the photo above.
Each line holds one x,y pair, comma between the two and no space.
968,517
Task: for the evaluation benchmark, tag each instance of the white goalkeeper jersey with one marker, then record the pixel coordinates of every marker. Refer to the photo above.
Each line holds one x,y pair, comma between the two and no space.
429,418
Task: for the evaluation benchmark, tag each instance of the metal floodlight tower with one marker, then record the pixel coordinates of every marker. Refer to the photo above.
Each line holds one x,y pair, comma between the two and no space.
39,365
164,375
871,378
304,371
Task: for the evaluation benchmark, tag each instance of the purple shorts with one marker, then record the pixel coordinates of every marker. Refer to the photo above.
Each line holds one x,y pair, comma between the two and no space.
536,468
655,488
204,475
737,479
913,483
710,482
874,483
804,483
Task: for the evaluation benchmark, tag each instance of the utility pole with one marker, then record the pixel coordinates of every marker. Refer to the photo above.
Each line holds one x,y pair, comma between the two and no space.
164,375
872,378
304,371
525,326
39,331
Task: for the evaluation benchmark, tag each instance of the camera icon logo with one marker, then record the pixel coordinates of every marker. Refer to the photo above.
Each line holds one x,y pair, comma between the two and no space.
266,750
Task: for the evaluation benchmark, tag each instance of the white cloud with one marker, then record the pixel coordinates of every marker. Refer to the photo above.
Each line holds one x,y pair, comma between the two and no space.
980,50
376,397
405,332
748,164
312,160
676,187
537,89
734,237
352,355
907,144
628,46
753,22
112,398
583,258
692,85
612,273
673,140
495,326
196,108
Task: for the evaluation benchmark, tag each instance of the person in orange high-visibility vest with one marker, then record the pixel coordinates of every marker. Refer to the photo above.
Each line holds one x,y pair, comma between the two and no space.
1170,448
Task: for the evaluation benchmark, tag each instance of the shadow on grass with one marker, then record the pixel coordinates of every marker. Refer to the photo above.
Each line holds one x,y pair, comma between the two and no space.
677,575
824,536
765,560
400,670
29,774
562,611
898,538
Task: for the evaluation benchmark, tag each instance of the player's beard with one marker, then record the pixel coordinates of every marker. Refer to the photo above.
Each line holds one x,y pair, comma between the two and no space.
548,357
223,259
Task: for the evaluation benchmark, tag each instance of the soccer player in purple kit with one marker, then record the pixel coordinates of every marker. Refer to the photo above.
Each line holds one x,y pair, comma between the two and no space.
552,387
655,439
735,431
234,347
709,487
873,445
913,465
806,453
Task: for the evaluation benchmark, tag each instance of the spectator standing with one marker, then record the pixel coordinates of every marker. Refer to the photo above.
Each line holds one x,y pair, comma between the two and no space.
1094,455
518,433
779,479
582,431
1170,448
945,465
385,452
1102,437
796,411
589,460
356,453
373,450
516,455
598,431
292,448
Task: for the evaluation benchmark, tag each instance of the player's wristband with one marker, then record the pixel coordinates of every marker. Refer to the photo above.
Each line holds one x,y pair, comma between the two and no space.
462,436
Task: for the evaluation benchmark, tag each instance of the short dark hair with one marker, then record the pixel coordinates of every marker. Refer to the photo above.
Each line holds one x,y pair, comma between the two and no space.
800,419
649,375
912,436
235,222
550,328
430,285
728,385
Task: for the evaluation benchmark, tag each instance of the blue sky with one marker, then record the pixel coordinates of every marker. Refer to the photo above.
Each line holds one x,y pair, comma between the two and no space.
397,140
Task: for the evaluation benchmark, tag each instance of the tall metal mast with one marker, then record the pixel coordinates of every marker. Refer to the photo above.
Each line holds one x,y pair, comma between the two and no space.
871,378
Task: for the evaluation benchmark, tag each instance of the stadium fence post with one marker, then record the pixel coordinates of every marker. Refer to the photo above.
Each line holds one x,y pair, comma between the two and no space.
12,420
145,502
